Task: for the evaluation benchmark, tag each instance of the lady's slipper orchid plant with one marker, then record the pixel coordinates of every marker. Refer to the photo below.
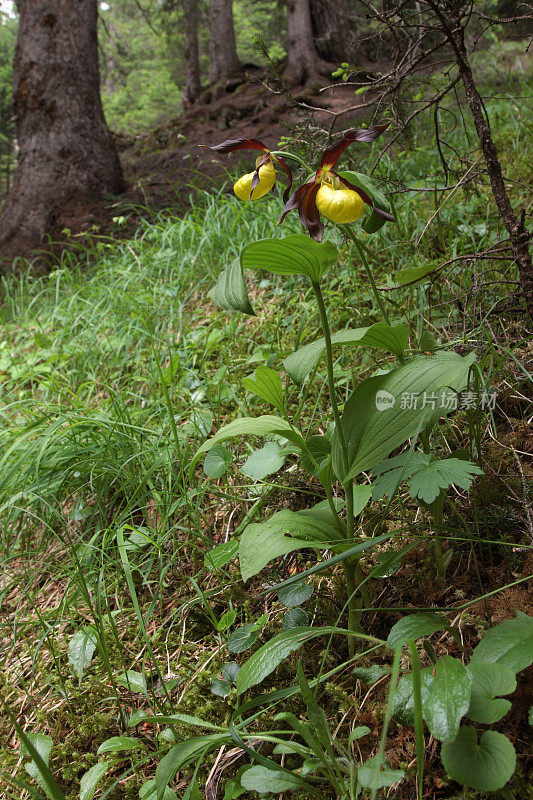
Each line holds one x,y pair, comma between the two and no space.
329,194
255,184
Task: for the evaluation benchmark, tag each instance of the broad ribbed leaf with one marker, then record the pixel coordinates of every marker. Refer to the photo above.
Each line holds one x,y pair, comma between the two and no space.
292,255
253,426
230,292
378,416
284,532
509,644
181,754
221,555
266,383
383,336
486,766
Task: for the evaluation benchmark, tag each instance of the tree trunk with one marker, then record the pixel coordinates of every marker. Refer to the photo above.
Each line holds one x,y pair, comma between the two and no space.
514,224
66,152
223,60
192,64
303,62
334,28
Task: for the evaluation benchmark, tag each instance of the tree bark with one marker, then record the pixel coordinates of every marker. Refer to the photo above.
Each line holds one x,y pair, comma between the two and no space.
66,151
514,224
334,28
192,63
223,59
303,61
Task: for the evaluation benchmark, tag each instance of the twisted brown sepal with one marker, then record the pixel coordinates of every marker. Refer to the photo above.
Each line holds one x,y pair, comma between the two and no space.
304,199
229,145
366,198
333,152
287,170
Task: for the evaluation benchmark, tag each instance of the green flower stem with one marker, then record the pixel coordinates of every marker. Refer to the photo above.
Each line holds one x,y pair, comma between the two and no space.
284,154
437,512
350,565
368,271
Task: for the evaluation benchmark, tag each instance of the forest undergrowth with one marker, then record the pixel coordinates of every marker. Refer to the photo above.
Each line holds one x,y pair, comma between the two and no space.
125,619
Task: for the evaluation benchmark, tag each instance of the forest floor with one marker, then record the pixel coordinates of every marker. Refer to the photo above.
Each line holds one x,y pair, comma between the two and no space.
116,365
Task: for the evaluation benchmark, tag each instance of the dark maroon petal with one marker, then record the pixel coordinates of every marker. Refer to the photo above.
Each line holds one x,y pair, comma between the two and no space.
332,153
287,170
295,200
308,211
229,145
366,198
255,180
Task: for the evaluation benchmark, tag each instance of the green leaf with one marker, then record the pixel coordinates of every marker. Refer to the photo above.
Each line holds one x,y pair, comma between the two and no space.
292,255
264,781
294,618
91,779
284,532
251,426
427,482
295,594
509,644
263,462
374,222
217,461
486,766
449,698
403,705
230,292
148,791
222,554
243,637
371,674
182,754
134,681
413,626
530,716
81,649
43,744
412,274
220,688
266,659
361,496
230,671
391,472
381,335
358,733
226,620
375,421
266,383
490,681
117,744
376,774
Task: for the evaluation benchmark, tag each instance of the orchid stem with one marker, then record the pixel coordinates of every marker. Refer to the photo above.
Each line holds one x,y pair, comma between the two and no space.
368,271
350,565
284,154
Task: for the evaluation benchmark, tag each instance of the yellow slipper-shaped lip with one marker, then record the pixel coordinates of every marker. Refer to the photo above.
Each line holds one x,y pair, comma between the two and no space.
267,178
339,205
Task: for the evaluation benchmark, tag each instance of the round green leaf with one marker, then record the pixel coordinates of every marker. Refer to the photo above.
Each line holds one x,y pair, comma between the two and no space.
217,461
486,766
294,618
263,462
413,626
490,681
119,743
264,780
295,594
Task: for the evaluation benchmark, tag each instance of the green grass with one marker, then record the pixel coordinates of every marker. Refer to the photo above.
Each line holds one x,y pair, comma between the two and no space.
115,366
